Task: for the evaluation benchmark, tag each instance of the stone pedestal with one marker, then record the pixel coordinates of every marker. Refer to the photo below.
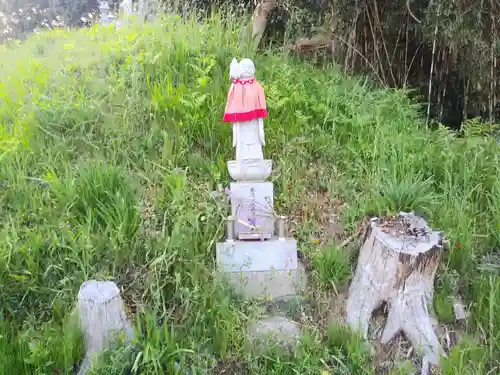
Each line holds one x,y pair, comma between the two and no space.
252,207
279,285
262,268
256,259
251,256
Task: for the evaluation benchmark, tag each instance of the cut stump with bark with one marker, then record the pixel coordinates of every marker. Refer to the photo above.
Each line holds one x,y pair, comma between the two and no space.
102,318
397,264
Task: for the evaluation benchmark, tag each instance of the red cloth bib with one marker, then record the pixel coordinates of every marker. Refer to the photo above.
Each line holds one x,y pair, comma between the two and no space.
245,101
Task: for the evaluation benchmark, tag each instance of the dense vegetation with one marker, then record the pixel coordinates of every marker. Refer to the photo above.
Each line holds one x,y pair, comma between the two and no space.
110,145
448,50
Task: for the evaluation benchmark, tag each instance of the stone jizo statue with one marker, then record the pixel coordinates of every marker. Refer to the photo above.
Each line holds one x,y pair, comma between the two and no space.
126,8
104,12
246,110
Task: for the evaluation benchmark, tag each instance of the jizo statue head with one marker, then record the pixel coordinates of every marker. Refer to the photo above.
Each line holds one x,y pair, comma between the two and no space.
244,69
247,68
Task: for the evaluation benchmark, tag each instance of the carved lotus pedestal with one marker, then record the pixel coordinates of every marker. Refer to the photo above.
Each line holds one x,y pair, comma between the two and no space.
250,170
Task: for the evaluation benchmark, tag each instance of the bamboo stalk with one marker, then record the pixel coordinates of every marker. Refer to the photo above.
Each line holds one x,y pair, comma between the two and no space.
434,42
443,95
376,45
406,56
384,44
394,50
466,99
493,93
350,44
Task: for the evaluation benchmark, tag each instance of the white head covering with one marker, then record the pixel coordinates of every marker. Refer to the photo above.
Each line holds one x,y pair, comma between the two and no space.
234,69
243,69
247,68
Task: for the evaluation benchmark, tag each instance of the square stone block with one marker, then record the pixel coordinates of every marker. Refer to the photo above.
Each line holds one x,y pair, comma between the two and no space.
280,285
237,256
253,203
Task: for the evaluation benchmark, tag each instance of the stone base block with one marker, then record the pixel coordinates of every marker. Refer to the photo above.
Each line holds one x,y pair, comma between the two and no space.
280,285
254,256
252,203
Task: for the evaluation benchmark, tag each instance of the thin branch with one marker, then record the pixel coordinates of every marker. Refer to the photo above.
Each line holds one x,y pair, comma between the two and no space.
360,55
410,12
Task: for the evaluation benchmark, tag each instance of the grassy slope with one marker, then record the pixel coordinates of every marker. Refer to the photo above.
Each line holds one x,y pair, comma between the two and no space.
110,144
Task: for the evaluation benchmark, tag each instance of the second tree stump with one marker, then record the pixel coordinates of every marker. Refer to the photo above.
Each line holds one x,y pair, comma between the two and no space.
397,265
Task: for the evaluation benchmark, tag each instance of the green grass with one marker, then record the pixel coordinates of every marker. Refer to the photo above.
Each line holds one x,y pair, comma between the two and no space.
110,144
331,267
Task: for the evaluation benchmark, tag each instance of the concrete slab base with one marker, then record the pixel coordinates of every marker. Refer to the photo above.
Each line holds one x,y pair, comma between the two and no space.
252,256
278,285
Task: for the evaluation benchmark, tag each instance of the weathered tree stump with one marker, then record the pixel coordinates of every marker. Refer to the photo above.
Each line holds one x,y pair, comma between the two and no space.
397,264
259,19
102,317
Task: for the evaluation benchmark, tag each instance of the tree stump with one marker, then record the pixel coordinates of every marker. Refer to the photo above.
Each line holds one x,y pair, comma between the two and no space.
102,316
259,19
397,264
